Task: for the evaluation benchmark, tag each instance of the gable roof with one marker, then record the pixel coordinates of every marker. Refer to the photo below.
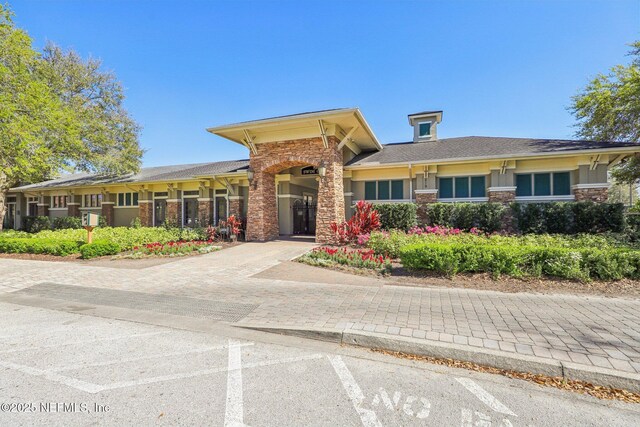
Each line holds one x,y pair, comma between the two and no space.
158,173
477,147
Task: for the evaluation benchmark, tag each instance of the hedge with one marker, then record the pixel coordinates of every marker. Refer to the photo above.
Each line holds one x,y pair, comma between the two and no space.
397,216
65,222
35,224
39,246
99,248
569,217
465,216
521,260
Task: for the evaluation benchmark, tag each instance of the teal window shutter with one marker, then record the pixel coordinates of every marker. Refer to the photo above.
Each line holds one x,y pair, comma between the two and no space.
397,190
478,187
523,185
383,190
542,184
445,188
462,187
561,184
370,190
424,129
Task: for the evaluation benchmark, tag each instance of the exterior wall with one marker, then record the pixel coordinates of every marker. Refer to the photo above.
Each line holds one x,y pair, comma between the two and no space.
504,195
145,213
123,216
174,211
271,158
423,198
598,194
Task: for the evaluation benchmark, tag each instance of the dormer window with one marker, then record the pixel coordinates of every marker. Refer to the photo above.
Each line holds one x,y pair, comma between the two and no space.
424,130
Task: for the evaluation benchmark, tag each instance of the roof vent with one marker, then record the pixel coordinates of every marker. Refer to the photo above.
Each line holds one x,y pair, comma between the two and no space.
425,125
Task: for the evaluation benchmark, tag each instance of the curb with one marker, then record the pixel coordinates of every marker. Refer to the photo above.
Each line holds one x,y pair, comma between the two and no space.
492,358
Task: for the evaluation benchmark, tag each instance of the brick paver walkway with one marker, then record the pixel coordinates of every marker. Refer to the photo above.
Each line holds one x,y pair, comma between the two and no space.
592,331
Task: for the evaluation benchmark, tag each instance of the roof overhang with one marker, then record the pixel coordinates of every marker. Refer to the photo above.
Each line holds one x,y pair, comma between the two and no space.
347,124
425,115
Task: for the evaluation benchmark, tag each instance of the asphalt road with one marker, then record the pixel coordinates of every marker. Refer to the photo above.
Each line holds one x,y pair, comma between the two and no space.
64,368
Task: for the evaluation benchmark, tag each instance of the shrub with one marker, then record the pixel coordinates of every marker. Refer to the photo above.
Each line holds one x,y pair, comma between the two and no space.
135,223
364,221
65,222
397,216
568,218
99,248
38,246
175,248
465,216
34,224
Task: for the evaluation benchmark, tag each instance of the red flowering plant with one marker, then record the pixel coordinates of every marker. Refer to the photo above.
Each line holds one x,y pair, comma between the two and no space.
358,258
364,221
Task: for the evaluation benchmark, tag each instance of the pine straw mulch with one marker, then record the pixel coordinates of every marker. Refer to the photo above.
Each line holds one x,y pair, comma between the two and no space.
576,386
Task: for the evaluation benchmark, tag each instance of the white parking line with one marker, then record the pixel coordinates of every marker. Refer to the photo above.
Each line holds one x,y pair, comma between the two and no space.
234,411
367,416
484,396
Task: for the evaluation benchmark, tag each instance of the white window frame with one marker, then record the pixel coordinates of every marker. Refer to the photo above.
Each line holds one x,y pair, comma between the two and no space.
118,205
98,201
551,197
471,199
430,135
52,204
196,196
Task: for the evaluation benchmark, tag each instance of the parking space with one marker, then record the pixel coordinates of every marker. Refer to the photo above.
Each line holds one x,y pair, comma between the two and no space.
62,368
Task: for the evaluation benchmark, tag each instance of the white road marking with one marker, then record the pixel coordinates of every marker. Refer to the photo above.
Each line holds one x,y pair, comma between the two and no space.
423,413
367,416
51,376
234,411
484,396
113,338
482,420
137,359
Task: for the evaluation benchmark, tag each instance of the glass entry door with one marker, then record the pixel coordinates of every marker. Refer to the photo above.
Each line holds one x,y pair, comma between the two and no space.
10,216
160,211
221,209
190,216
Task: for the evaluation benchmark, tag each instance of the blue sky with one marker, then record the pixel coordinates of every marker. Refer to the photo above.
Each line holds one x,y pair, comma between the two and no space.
497,68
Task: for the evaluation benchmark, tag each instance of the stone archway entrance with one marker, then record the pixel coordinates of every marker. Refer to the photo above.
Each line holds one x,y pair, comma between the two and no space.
271,158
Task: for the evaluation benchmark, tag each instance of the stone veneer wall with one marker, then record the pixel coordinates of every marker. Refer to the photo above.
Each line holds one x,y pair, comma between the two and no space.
591,194
174,211
107,213
422,200
205,212
43,210
235,206
502,196
271,158
73,209
145,213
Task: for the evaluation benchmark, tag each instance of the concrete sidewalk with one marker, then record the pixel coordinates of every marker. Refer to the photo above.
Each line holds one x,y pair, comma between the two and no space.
582,337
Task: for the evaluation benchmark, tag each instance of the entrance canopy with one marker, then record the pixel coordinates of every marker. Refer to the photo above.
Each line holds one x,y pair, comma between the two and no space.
346,124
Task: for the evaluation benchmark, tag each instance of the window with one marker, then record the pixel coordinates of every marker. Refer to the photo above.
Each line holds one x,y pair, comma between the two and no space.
128,199
543,184
161,194
92,200
424,129
58,202
461,187
191,193
384,190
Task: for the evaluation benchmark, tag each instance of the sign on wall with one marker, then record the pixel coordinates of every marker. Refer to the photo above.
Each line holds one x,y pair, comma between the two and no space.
309,170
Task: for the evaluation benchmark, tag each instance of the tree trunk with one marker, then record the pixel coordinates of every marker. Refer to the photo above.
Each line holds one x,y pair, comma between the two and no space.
4,188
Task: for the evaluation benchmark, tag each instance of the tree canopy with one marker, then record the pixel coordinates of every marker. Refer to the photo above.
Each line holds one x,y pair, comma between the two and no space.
58,112
608,109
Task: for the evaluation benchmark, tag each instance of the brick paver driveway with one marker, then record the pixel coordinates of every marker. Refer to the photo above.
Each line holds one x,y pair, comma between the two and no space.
591,331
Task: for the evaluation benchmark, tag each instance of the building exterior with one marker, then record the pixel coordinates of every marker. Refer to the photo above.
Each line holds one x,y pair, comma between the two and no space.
307,170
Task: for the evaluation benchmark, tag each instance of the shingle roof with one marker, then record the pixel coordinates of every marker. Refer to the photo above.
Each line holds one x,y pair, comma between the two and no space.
475,147
158,173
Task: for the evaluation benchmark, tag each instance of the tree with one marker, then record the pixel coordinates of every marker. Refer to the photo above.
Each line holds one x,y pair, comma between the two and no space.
608,109
58,113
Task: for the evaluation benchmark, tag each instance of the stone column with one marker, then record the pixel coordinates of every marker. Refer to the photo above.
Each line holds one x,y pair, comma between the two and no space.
502,194
145,212
205,211
174,212
423,198
236,204
262,217
598,193
107,213
330,201
73,207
